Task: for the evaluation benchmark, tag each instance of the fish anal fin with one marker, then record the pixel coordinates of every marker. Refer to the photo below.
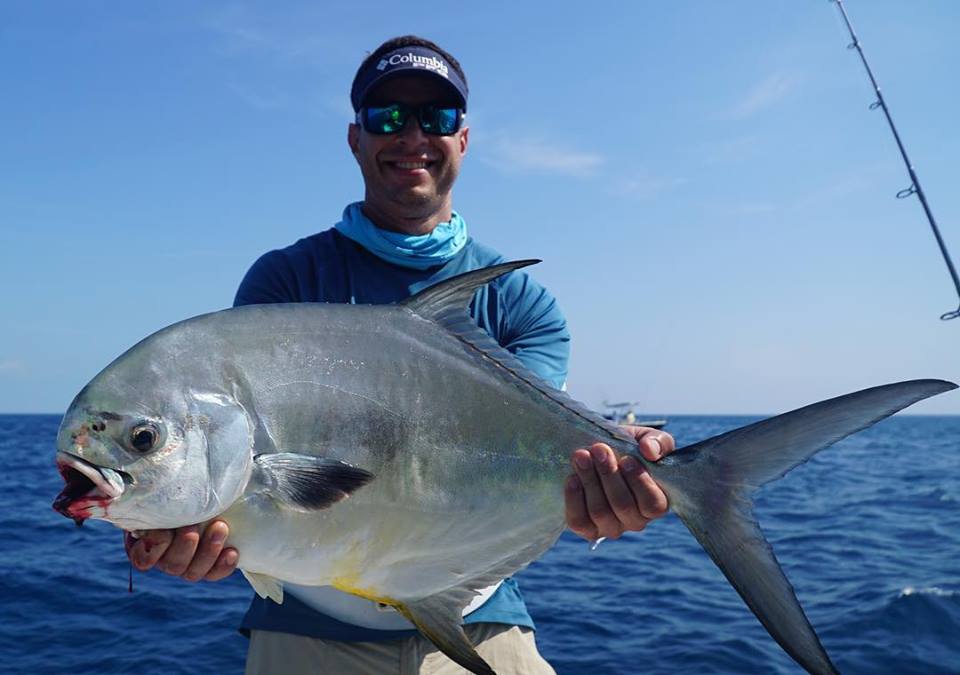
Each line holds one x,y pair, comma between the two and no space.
307,483
439,618
265,586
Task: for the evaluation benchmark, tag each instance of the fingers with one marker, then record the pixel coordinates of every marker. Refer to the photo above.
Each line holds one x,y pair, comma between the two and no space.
211,561
578,520
181,550
146,551
184,552
597,506
654,443
225,566
649,498
603,496
607,497
615,498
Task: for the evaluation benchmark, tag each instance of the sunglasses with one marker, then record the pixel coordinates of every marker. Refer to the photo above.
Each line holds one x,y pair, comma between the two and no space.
390,119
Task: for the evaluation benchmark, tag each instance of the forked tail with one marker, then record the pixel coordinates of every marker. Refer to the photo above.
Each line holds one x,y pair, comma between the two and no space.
710,486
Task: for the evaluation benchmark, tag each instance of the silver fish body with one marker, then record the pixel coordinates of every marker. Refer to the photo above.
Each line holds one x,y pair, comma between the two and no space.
452,454
466,473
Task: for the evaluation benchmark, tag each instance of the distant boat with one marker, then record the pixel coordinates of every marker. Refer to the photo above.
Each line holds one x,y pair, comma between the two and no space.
622,413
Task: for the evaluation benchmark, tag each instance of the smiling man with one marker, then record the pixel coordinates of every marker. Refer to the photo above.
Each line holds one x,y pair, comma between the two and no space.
409,176
409,139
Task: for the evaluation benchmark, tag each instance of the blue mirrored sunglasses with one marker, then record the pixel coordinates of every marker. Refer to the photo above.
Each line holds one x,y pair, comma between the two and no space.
390,119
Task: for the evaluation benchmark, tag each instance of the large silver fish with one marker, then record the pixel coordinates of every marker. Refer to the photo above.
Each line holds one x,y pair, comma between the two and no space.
452,453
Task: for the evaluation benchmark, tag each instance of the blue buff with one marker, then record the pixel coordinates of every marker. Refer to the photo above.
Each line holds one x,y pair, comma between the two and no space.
417,251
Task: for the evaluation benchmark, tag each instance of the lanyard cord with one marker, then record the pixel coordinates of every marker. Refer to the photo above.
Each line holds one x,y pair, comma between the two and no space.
915,188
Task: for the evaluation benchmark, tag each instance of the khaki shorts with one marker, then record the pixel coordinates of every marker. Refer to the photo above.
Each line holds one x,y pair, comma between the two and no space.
510,650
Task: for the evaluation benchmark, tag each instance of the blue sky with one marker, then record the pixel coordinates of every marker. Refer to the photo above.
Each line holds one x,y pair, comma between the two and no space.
711,197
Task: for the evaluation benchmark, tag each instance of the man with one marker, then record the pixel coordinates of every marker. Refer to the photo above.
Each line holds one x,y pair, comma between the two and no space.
409,139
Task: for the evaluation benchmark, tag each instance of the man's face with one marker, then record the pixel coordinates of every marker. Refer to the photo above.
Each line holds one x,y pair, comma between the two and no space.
408,175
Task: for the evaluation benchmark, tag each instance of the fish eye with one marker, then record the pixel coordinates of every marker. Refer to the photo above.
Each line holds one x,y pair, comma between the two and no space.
144,437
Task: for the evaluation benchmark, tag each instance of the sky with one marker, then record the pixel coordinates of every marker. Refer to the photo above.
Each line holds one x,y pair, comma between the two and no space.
712,199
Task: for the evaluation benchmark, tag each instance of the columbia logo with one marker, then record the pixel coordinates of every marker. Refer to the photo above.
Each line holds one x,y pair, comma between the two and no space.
415,61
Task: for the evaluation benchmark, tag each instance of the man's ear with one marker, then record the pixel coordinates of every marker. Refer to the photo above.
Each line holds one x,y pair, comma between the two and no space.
353,138
464,140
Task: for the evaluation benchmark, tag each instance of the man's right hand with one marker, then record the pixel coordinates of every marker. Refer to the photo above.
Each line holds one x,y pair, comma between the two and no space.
184,552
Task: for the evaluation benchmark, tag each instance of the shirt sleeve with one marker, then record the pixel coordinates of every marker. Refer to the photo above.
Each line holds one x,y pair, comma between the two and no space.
535,329
270,279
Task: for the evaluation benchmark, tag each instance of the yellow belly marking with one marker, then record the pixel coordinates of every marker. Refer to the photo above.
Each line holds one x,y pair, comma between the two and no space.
349,584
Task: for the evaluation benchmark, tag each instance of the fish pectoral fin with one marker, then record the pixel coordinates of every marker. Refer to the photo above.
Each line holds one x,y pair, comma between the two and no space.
307,483
440,619
265,586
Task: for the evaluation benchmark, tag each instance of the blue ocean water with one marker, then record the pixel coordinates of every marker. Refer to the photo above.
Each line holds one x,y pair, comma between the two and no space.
868,532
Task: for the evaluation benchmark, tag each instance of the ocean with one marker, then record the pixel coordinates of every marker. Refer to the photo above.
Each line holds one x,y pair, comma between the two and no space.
868,532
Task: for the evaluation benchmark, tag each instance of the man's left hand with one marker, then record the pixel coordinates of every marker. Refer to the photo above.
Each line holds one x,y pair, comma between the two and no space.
609,495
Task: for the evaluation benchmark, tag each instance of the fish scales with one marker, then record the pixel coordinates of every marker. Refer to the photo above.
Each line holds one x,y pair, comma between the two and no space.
438,469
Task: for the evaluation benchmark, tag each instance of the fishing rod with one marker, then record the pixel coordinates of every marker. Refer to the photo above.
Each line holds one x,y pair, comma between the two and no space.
915,188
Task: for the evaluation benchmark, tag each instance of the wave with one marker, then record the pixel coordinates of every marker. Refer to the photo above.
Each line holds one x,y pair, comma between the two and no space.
930,590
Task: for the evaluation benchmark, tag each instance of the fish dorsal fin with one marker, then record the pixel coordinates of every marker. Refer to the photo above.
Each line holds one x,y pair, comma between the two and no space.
265,586
440,619
456,292
447,302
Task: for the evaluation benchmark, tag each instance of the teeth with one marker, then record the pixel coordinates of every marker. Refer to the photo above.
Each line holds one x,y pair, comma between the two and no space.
412,165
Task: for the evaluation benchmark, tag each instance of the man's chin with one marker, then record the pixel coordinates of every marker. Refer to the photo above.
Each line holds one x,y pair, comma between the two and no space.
425,201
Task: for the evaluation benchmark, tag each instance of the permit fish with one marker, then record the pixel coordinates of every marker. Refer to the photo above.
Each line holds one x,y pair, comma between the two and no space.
398,453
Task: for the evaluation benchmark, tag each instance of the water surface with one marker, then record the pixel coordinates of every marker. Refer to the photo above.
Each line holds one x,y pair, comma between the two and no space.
868,532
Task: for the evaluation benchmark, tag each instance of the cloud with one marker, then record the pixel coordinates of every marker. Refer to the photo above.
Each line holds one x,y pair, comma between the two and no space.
644,185
291,40
754,209
10,365
339,106
514,153
261,100
837,189
276,60
763,95
730,150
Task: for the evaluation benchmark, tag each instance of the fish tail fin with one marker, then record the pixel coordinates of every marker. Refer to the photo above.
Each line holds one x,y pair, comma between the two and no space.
710,484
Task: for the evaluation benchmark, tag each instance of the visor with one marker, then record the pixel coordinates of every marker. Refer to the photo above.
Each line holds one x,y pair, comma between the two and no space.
412,60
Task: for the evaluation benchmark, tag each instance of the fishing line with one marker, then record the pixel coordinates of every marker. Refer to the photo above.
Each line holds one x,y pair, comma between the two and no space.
915,188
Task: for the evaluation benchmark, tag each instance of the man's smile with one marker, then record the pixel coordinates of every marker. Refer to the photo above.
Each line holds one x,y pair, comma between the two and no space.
410,166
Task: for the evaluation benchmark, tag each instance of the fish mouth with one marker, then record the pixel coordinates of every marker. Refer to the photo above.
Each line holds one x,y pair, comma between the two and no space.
88,489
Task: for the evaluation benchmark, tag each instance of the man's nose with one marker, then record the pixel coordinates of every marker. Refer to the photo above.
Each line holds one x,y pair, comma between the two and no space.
411,133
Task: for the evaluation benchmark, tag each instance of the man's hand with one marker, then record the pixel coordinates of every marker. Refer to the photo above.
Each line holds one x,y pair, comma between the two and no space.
184,552
607,496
